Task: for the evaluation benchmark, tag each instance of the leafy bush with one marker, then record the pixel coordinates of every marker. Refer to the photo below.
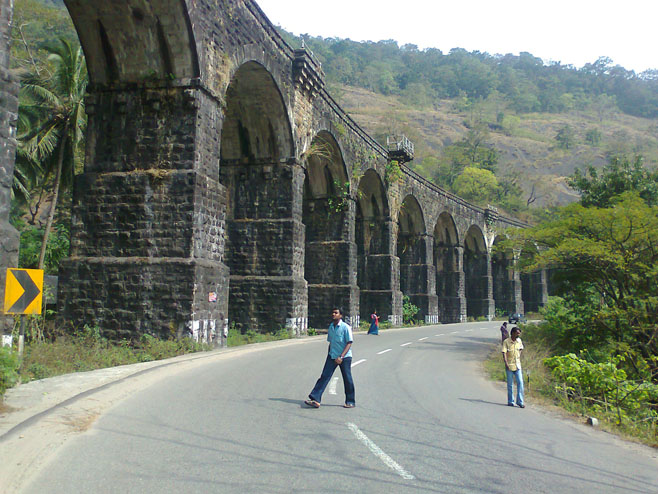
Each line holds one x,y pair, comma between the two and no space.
409,310
604,386
8,369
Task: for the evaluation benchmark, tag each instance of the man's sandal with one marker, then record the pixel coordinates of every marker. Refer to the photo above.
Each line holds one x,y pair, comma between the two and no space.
312,403
349,405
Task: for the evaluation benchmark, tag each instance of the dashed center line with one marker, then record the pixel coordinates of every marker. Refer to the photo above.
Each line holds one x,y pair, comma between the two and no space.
422,339
374,449
359,362
442,334
407,344
332,386
384,351
454,332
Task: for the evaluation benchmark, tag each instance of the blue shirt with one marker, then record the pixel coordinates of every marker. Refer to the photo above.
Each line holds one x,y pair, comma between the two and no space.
339,336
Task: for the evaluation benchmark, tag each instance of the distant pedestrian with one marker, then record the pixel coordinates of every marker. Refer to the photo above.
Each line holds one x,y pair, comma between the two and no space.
512,348
504,334
340,355
374,323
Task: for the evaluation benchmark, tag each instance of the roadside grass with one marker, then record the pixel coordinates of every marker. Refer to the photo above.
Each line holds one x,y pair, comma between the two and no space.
541,388
236,338
85,350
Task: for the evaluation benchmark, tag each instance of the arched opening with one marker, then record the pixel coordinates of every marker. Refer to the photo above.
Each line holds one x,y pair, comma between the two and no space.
379,288
505,279
448,260
330,252
125,41
264,235
417,273
479,302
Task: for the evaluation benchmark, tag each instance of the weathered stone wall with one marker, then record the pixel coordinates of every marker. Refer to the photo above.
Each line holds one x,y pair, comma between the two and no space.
9,238
147,223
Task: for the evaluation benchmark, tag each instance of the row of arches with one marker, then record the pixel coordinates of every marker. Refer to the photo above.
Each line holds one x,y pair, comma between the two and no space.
356,253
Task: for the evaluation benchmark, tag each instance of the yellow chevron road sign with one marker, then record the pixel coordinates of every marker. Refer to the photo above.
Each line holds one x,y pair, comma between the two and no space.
23,291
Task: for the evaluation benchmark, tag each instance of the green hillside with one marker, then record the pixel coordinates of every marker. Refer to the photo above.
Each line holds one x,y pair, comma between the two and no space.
530,155
532,123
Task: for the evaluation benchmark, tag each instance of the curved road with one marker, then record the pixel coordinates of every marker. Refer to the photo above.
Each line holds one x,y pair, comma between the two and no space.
426,421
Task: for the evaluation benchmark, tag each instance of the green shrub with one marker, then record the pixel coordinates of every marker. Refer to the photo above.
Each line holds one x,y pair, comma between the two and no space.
8,369
409,311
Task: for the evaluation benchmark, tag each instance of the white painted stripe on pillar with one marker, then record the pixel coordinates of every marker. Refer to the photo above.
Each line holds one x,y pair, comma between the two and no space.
375,450
384,351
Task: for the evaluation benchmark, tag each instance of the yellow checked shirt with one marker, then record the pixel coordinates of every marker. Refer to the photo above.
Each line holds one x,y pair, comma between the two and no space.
513,350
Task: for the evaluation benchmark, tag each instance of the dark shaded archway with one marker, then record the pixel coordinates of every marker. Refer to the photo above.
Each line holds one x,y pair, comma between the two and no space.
265,235
448,261
533,285
377,265
477,270
330,251
506,280
414,249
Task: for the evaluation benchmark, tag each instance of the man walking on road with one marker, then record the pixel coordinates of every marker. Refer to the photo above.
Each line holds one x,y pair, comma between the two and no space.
512,347
340,354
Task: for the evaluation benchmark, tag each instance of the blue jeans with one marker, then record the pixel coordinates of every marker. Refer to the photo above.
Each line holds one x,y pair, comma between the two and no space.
328,371
511,375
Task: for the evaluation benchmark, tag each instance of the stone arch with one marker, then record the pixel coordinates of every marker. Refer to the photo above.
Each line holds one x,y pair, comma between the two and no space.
330,252
109,33
256,125
414,249
505,279
448,262
264,233
477,271
377,267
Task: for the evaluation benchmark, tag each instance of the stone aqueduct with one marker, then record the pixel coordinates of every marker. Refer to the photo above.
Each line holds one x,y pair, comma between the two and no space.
223,183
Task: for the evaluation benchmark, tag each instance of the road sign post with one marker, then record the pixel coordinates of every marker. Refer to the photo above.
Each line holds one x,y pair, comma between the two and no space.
23,295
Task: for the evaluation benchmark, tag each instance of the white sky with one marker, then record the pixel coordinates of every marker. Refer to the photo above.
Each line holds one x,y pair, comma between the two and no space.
569,31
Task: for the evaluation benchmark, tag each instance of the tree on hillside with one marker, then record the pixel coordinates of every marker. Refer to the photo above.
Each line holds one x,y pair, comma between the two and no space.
52,120
476,184
620,175
566,137
472,151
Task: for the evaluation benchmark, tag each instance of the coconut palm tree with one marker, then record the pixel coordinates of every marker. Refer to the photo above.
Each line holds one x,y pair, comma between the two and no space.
52,120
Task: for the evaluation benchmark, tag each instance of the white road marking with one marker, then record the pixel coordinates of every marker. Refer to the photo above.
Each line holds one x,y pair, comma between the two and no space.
384,351
454,332
332,386
359,362
423,338
469,330
374,449
407,344
442,334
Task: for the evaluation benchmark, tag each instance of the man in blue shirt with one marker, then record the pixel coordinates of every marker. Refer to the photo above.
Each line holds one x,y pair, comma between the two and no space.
340,354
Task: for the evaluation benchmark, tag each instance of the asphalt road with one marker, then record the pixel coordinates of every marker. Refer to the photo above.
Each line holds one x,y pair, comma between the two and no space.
427,420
